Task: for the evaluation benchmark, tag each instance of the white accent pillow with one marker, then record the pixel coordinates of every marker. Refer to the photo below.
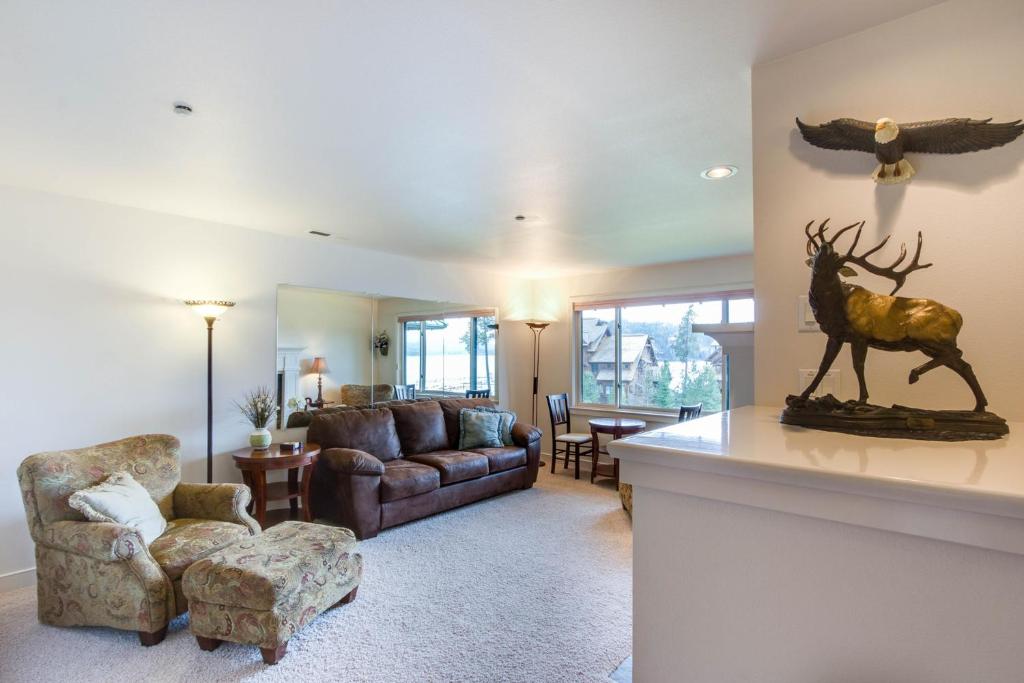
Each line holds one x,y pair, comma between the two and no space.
121,500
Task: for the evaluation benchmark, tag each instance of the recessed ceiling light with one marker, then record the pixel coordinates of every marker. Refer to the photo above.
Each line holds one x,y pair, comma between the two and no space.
718,172
182,108
319,233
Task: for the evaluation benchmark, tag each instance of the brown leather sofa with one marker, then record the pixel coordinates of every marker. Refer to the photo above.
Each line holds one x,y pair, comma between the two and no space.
382,467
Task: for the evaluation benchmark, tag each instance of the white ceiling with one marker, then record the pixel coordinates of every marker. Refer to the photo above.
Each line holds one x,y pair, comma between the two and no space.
410,126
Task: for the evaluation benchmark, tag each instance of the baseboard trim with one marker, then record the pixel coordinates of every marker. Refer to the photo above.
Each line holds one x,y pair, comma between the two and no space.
17,579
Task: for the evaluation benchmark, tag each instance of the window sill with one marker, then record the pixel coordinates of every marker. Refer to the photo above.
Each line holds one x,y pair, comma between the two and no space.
639,414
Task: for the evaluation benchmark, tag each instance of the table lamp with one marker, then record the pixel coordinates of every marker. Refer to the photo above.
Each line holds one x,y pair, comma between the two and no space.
319,366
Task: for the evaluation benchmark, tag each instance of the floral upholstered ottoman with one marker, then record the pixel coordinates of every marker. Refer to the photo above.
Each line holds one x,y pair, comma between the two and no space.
262,590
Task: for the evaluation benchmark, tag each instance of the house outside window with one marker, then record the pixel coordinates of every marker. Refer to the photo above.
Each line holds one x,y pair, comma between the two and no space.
446,354
644,354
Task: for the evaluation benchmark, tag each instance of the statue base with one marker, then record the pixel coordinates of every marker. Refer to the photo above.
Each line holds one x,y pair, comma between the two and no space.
830,414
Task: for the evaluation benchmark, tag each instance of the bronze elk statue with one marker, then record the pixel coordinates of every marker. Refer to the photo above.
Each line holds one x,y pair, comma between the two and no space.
851,314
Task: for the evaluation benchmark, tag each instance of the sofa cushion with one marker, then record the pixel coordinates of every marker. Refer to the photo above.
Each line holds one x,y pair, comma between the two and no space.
403,478
479,429
369,430
188,540
451,407
454,466
508,419
504,458
420,427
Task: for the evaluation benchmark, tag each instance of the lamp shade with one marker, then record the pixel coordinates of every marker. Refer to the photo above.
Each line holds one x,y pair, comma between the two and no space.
208,308
319,365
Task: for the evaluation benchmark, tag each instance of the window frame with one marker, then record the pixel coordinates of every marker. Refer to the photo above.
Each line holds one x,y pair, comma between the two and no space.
618,303
423,318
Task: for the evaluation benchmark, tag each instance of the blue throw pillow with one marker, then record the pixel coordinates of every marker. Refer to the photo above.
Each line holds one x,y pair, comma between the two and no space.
479,429
508,418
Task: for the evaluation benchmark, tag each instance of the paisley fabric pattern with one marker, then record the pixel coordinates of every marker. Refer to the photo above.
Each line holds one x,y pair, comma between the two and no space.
626,496
262,590
49,479
102,574
76,590
187,540
219,502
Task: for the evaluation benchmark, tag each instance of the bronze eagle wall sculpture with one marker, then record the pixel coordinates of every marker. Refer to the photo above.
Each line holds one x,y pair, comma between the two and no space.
890,140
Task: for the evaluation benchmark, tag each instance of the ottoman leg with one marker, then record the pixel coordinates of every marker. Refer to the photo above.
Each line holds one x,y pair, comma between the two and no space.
208,644
154,638
350,597
273,655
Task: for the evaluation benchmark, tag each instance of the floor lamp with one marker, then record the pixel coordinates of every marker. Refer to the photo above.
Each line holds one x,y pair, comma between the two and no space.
209,311
537,328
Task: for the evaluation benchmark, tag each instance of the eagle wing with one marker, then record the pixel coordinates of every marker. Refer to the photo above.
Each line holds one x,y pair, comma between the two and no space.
956,136
840,134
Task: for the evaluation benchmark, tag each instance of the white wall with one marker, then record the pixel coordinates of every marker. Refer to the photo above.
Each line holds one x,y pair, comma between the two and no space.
335,325
98,345
553,299
955,59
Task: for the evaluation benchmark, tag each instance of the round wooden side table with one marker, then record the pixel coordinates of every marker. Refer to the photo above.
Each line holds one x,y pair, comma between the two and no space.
255,463
618,427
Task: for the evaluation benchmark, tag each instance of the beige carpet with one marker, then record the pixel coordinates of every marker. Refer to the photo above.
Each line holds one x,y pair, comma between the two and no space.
531,586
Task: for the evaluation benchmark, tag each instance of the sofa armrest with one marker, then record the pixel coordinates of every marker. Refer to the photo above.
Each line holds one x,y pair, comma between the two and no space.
103,541
524,434
351,461
345,490
216,502
527,436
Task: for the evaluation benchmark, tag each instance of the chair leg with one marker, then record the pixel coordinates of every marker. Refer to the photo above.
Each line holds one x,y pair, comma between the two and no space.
565,463
554,454
154,638
576,474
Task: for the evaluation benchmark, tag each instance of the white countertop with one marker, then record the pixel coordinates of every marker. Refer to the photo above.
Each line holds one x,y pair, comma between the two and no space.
750,443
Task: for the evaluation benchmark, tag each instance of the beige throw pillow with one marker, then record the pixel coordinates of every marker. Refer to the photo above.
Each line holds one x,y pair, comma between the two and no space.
121,500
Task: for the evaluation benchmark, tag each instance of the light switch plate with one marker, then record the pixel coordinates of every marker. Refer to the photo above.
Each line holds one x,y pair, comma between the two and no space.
805,321
829,383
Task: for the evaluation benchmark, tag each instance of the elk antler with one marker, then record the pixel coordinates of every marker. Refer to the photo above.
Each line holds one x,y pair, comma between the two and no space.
899,277
815,241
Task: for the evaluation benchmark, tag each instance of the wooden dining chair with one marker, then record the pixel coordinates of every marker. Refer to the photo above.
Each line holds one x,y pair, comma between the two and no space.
478,393
405,391
689,412
572,442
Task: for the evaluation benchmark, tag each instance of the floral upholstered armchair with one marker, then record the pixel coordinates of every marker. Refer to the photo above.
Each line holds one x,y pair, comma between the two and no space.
103,574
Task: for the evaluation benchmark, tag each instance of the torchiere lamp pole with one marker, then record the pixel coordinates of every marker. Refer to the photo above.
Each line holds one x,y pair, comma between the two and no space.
536,328
209,311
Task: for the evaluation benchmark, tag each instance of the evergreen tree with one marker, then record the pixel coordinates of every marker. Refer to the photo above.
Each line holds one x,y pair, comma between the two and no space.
483,337
685,344
664,397
704,388
589,387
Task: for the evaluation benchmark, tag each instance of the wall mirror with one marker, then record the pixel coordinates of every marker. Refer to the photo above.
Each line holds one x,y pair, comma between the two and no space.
341,349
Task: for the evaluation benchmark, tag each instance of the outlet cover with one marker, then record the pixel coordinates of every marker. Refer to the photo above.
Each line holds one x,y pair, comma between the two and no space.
805,321
829,383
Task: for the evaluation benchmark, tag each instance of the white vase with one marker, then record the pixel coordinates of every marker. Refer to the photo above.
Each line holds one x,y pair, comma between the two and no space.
261,438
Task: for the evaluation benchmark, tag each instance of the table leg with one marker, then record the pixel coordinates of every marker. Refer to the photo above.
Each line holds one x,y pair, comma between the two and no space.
259,496
307,474
293,487
595,453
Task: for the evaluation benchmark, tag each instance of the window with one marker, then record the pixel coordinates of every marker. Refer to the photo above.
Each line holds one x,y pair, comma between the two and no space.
644,354
447,354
